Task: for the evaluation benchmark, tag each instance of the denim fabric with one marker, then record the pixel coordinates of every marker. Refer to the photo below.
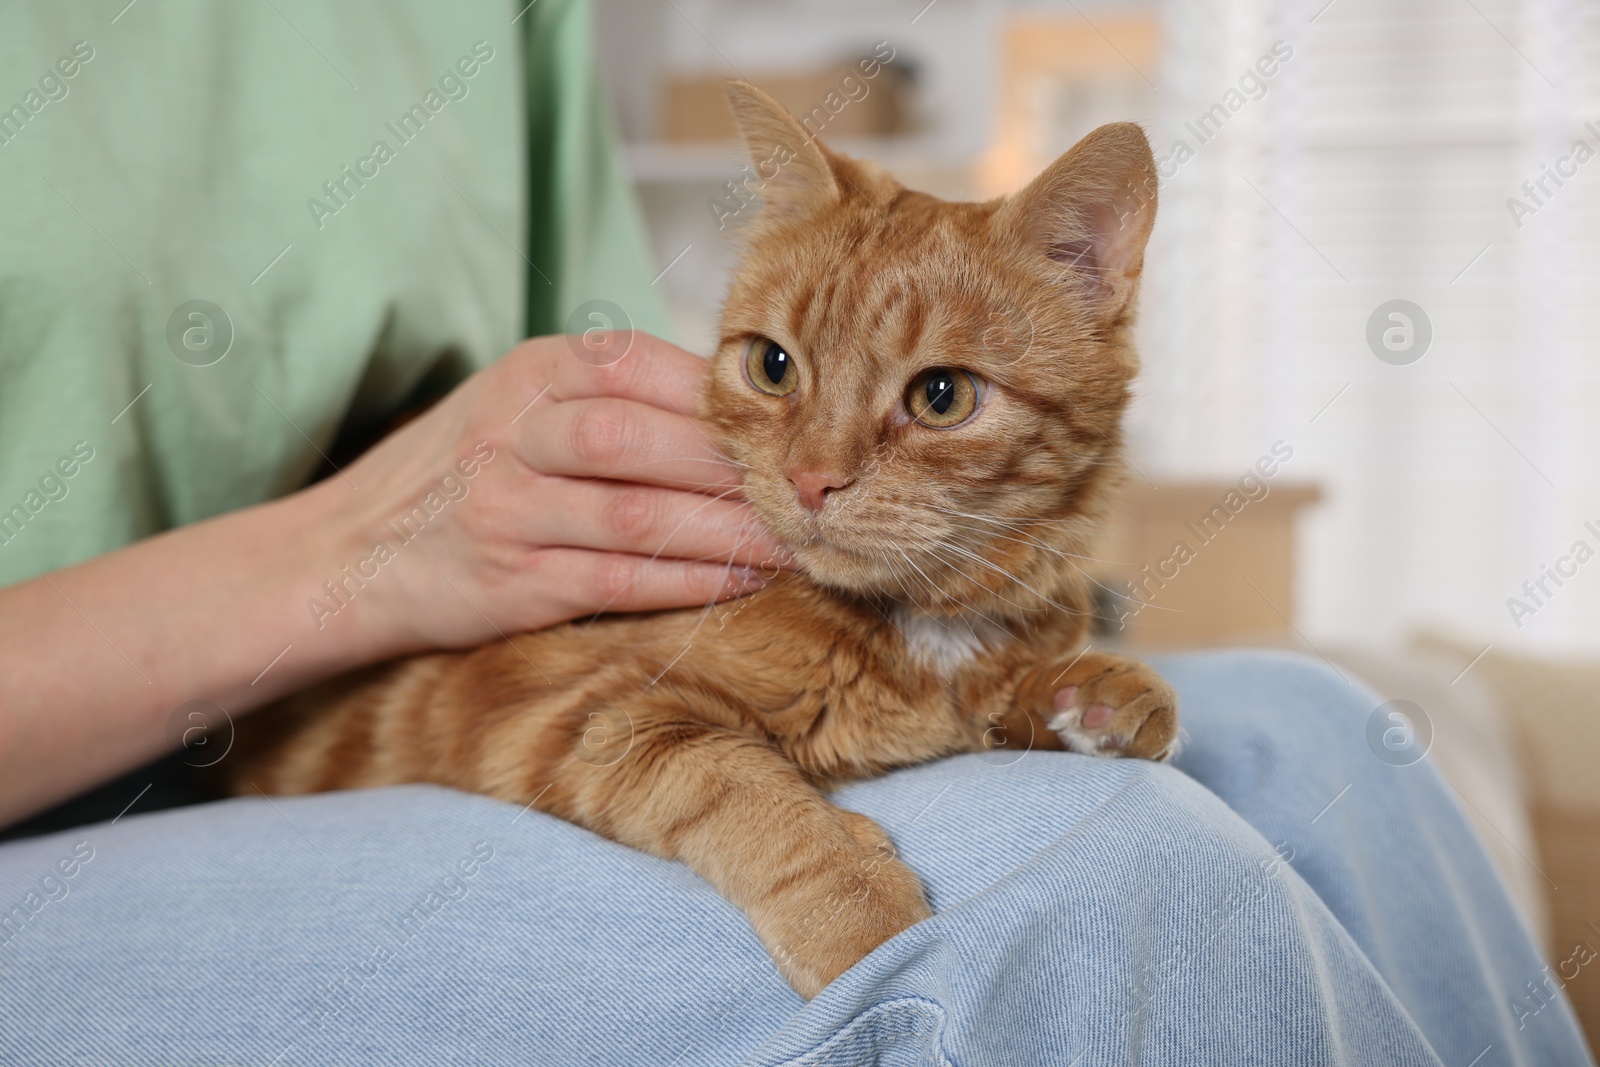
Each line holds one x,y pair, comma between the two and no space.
1279,896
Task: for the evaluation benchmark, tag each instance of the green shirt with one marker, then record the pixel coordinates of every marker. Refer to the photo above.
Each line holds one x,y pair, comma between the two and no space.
379,195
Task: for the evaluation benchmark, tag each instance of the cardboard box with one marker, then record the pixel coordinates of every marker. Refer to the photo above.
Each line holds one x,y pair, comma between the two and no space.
835,103
1201,573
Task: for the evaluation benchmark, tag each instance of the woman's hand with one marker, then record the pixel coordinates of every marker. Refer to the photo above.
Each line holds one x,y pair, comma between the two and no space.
543,489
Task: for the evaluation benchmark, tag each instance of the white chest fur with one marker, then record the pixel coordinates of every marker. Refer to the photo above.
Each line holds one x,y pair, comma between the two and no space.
946,644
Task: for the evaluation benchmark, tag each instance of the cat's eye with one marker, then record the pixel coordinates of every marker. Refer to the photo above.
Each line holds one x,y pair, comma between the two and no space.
942,397
770,369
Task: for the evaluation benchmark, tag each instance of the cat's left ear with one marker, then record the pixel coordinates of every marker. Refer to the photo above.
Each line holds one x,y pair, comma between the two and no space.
1091,211
792,166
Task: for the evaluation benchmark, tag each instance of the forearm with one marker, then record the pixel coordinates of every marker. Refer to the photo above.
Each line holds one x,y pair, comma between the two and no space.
543,489
95,658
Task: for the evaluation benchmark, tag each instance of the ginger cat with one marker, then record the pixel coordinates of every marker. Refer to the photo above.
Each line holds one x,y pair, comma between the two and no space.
926,400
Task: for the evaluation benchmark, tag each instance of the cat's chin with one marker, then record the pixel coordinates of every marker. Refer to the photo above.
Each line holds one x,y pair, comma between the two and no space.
840,568
920,583
846,570
865,574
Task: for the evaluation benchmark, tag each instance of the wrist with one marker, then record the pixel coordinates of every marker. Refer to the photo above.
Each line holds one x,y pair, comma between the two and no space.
336,616
212,612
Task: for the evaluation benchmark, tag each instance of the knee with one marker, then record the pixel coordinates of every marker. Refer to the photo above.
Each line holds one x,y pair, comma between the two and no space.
1277,697
1297,677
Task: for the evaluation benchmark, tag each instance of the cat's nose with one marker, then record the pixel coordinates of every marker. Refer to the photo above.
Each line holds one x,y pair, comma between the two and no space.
813,486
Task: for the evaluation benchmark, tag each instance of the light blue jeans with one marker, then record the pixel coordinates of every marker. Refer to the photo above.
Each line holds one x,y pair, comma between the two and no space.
1278,896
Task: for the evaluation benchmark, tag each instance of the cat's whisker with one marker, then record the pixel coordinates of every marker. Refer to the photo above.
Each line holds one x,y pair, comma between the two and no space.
1068,557
900,578
969,554
899,581
921,653
1018,529
1015,527
712,499
957,569
1003,531
933,587
1069,561
1022,520
1031,542
967,532
723,457
934,548
636,468
715,458
967,608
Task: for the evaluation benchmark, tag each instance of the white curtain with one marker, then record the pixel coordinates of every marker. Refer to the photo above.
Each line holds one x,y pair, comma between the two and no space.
1376,164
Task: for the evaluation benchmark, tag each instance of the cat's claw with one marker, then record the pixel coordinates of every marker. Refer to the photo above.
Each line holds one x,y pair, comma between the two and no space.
1105,705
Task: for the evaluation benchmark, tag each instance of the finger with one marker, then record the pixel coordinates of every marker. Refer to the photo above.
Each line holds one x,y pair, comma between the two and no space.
644,369
626,441
650,521
593,582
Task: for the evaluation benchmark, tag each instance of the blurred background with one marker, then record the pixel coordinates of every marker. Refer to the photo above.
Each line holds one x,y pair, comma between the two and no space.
1375,264
1374,164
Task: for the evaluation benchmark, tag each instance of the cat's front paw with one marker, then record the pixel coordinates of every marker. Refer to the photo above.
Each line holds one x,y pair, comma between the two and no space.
850,902
1104,705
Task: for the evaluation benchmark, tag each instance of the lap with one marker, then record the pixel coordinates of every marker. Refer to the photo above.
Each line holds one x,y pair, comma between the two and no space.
1295,748
1083,905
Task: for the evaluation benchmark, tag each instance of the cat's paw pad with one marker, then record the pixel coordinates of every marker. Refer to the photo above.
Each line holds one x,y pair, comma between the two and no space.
1112,706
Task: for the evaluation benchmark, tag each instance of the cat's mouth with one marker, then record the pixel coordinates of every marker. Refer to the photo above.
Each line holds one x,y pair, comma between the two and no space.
914,558
850,570
876,547
816,551
871,562
832,556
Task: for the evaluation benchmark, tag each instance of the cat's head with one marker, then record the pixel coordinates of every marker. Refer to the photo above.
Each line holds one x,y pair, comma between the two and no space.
925,397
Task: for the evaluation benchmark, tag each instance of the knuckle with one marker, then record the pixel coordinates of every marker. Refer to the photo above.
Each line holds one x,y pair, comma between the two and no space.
600,434
612,377
615,576
631,513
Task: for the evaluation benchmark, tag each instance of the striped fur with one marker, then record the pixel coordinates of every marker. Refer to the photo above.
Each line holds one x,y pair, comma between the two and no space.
712,737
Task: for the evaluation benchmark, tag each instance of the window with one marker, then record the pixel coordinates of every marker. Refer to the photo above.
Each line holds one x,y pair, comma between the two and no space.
1376,164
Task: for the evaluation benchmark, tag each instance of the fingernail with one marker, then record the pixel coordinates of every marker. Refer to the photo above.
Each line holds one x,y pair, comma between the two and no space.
1066,698
748,579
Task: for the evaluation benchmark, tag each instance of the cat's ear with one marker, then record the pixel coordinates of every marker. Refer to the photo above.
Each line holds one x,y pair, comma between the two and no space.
792,168
1091,211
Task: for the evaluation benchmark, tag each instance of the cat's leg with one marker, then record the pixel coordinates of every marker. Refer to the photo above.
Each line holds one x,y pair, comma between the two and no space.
821,886
1102,704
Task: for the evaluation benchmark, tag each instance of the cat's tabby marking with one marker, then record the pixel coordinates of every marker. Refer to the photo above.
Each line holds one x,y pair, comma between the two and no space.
926,400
